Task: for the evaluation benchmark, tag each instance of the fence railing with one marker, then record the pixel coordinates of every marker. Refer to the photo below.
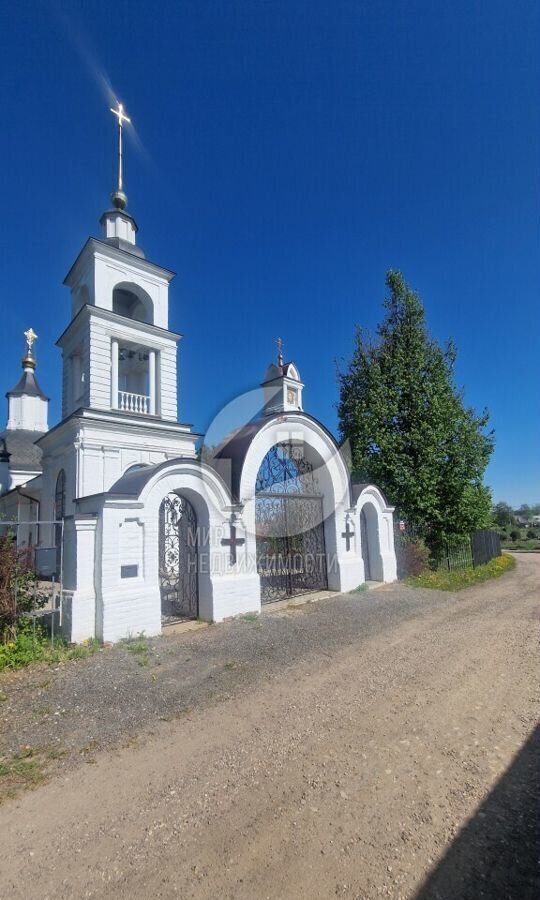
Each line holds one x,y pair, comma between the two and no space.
40,598
413,554
135,403
485,545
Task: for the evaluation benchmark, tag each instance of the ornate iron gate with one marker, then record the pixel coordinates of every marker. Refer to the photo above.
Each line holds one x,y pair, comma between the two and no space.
178,558
291,554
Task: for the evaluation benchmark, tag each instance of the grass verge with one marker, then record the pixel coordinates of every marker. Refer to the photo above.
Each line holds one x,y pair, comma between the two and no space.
23,769
533,546
442,580
29,647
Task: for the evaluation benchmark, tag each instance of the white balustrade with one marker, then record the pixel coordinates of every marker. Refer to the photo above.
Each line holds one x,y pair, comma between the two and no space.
133,403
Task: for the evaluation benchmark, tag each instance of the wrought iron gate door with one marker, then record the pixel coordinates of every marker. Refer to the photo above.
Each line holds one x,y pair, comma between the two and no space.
178,558
291,553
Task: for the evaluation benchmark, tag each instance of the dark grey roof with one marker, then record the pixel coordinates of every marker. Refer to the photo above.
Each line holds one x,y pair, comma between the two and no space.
132,482
357,489
23,452
275,371
27,385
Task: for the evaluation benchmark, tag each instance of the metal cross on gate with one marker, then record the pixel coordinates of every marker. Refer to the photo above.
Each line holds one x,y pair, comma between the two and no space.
233,542
347,534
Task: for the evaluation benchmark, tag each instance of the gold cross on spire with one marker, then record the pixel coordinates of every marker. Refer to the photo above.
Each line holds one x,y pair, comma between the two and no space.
279,343
31,338
28,360
119,198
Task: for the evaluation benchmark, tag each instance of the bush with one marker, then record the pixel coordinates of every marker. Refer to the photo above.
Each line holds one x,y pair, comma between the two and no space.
532,535
456,580
413,559
18,586
515,534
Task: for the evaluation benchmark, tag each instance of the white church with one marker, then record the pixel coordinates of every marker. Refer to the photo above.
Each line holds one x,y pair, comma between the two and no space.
139,528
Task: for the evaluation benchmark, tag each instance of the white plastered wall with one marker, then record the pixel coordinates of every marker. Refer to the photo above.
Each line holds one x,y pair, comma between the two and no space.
132,605
126,532
380,528
345,567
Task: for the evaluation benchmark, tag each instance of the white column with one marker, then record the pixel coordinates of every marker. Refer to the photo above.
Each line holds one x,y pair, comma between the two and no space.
152,381
79,595
114,374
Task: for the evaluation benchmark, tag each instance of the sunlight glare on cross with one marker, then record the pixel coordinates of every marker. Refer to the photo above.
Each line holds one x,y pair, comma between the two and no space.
119,198
31,337
119,113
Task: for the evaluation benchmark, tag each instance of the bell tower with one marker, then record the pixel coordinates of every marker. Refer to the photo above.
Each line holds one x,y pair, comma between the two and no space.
119,386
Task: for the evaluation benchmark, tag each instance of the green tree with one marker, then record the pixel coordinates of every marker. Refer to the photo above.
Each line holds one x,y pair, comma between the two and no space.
503,514
409,429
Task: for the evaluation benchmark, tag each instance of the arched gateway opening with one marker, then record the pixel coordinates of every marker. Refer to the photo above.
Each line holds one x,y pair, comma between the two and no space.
178,559
291,553
370,544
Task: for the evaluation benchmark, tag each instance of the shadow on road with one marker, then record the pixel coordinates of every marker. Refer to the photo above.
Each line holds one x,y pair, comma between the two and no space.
495,856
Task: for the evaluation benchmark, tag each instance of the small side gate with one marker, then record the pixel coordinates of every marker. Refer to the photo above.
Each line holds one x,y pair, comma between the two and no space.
178,559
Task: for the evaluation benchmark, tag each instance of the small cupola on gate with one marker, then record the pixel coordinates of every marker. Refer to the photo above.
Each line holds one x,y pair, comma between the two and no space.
282,386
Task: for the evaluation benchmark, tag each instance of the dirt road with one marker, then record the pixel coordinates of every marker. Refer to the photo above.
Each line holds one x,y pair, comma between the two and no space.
399,764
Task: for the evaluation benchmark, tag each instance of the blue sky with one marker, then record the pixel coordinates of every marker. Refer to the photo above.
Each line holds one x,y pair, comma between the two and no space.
287,154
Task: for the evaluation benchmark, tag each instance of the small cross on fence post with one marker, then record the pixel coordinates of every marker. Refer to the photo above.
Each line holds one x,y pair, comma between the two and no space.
347,534
233,542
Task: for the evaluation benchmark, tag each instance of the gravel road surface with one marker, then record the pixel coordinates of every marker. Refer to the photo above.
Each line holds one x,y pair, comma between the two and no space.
377,744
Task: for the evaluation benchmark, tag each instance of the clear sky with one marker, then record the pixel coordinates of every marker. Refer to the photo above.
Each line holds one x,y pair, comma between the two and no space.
288,153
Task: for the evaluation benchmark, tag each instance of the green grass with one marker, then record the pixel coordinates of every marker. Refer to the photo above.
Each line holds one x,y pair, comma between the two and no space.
138,646
361,589
27,768
443,580
524,544
22,769
249,617
29,647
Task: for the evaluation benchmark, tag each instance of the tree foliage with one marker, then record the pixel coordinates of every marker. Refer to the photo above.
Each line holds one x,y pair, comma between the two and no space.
503,514
409,429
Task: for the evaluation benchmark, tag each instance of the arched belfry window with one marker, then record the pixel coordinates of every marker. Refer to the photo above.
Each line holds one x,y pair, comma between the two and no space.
131,302
59,513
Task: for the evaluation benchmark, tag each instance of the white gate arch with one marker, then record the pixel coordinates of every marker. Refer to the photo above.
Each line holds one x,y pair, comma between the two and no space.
380,531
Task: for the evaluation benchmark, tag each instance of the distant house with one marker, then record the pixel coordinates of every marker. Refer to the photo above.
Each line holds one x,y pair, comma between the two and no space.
523,520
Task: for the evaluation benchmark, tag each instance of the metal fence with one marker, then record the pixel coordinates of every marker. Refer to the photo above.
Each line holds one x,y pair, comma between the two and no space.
485,545
415,553
47,564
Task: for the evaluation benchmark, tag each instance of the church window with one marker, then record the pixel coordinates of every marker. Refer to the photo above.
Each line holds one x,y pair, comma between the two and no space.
133,303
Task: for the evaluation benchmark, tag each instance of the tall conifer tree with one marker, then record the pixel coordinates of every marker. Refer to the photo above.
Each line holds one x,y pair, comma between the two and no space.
409,429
